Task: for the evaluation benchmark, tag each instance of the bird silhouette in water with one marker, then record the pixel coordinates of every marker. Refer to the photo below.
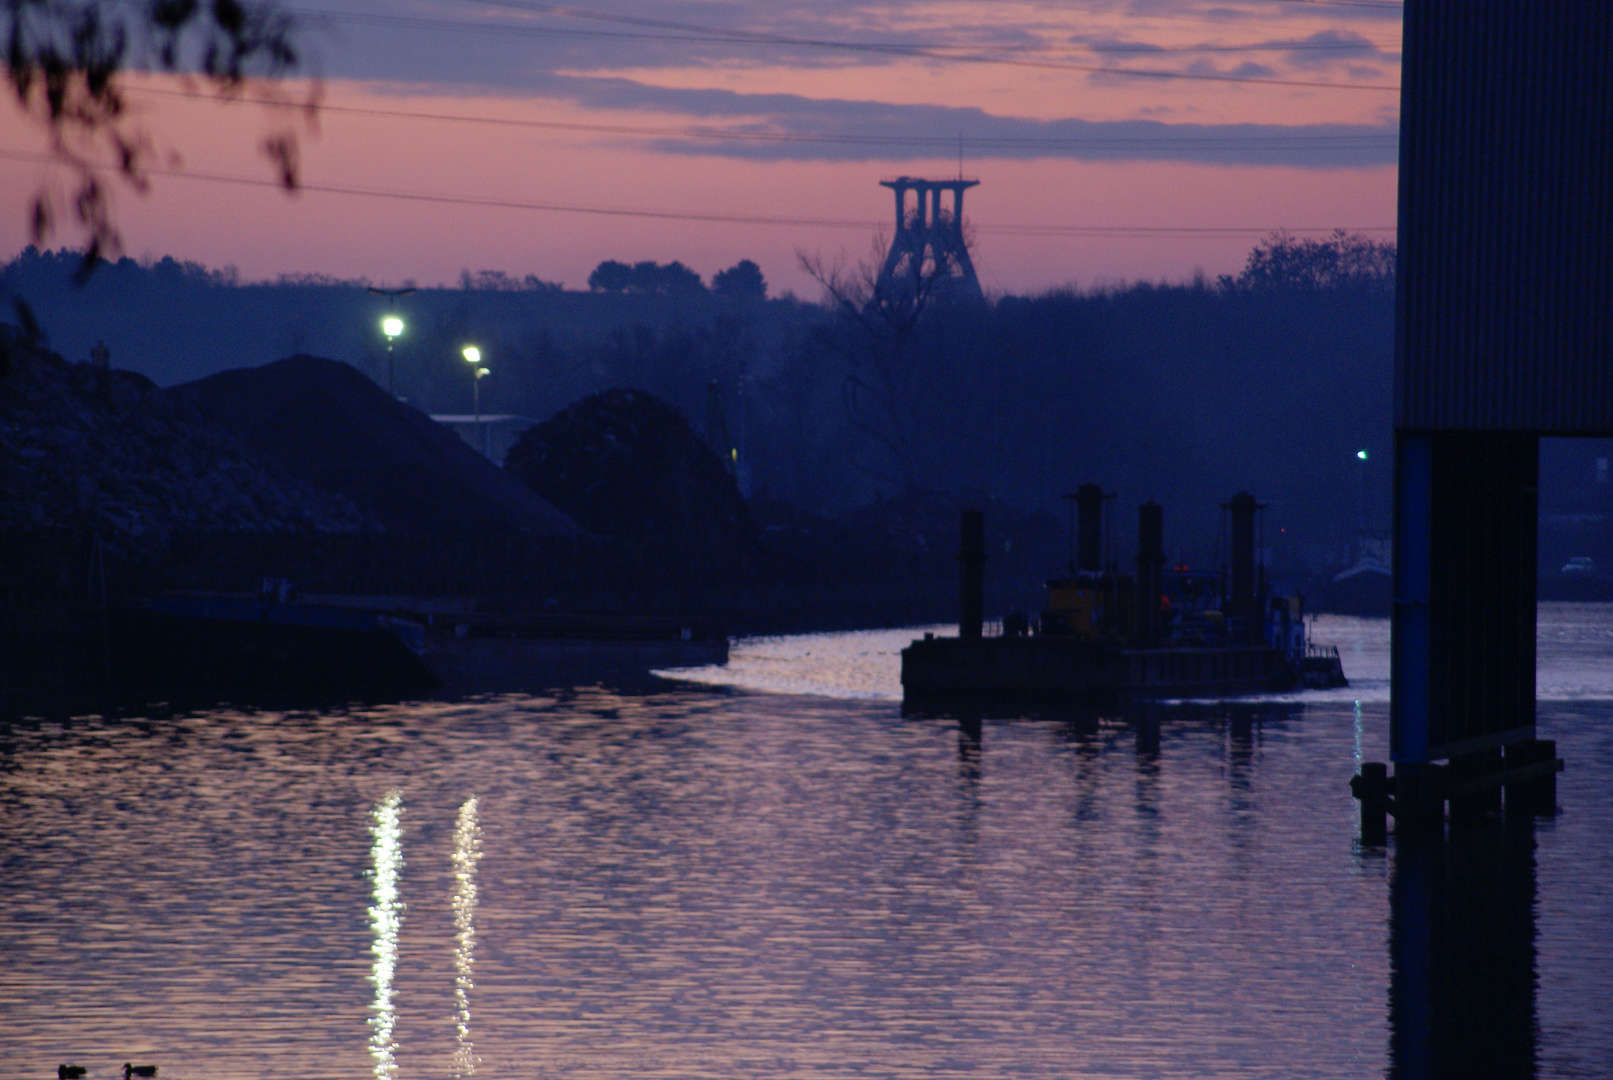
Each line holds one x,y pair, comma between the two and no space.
146,1071
69,1072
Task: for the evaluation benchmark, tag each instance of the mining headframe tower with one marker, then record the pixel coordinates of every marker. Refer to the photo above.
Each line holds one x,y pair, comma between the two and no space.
928,257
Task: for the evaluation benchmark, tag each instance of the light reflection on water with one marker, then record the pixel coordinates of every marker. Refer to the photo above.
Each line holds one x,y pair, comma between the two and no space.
706,881
386,916
1575,643
467,853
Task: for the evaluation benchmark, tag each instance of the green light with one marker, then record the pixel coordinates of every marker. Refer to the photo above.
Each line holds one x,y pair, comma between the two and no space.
1362,454
472,354
392,326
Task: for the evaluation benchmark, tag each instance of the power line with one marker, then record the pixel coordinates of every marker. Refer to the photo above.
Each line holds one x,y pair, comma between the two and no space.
1135,231
1364,140
1382,5
670,31
927,52
706,35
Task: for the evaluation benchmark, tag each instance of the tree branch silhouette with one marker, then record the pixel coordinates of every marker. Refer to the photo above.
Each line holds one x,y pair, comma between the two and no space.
879,387
66,61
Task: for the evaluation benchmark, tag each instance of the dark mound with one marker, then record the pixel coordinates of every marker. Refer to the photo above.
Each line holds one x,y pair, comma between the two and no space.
326,423
626,464
107,450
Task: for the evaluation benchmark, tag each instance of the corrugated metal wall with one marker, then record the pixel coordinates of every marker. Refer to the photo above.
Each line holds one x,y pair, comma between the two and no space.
1506,217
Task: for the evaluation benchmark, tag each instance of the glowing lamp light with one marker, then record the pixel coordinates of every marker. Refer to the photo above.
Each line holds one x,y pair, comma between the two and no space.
472,354
1362,454
392,326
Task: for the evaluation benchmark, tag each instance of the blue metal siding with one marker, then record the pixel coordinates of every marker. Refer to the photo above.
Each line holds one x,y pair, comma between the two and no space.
1506,217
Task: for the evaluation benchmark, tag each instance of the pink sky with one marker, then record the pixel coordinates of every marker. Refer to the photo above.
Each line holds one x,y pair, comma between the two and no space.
662,83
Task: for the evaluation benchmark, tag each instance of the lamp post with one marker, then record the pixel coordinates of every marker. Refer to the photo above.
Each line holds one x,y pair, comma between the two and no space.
473,357
1361,458
392,327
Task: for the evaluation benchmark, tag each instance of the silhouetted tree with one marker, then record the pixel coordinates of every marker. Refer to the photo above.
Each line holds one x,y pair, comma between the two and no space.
874,330
742,281
672,278
499,281
611,276
644,277
1342,261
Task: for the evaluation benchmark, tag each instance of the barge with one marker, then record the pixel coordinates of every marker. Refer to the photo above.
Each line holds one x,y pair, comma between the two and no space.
1106,637
277,647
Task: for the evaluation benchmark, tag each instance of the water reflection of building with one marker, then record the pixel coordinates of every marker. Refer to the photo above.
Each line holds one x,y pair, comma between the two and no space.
386,918
467,853
1462,954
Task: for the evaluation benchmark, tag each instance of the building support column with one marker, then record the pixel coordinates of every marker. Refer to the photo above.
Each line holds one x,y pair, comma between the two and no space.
1462,675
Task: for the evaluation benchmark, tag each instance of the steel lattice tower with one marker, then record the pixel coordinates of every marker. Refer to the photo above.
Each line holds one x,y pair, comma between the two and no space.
928,253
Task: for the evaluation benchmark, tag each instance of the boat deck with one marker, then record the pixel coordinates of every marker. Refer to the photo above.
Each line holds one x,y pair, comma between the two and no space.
1053,669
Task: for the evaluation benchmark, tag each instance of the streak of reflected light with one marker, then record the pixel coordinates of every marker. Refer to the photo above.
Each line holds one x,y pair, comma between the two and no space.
386,916
467,853
1358,757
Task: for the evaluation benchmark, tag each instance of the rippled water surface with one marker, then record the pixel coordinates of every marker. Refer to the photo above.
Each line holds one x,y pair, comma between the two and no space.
764,873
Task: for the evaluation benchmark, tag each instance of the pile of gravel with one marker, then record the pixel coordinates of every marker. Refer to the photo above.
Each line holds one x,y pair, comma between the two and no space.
82,446
329,425
625,464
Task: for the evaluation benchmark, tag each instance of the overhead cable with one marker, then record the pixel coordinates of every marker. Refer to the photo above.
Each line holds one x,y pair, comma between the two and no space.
695,33
1318,140
1138,231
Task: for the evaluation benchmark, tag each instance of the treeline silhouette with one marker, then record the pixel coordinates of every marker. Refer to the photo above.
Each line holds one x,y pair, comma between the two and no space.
1272,380
743,280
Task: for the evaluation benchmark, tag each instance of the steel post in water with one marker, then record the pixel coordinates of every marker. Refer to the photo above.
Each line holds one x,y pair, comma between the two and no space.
972,562
1374,811
1150,570
1241,601
1089,528
1147,723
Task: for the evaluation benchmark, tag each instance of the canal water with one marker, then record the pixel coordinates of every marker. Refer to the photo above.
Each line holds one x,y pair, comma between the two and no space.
766,871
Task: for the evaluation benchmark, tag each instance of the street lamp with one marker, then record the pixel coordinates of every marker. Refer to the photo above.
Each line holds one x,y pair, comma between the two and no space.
392,327
1361,497
473,357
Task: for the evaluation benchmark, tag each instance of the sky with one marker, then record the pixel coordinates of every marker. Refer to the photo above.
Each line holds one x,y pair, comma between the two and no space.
1114,140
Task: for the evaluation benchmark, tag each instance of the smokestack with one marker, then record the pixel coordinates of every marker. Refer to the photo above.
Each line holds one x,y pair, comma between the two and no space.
1150,570
972,560
1089,528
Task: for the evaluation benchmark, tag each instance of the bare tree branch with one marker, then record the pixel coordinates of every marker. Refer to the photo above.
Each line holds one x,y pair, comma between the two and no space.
881,380
66,61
